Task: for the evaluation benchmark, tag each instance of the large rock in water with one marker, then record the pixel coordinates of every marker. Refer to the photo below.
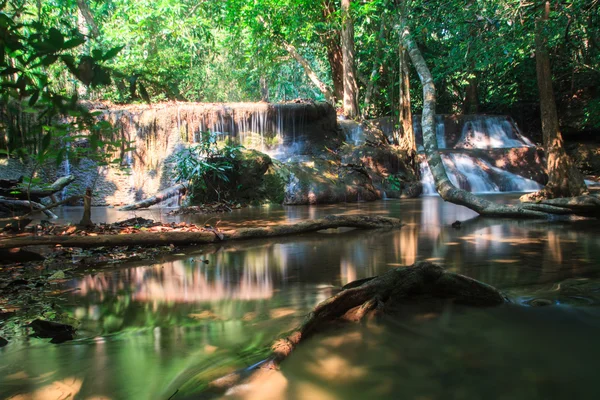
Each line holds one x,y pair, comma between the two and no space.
391,170
323,181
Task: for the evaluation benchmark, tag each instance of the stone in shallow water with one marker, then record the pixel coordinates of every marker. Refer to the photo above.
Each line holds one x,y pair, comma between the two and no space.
3,342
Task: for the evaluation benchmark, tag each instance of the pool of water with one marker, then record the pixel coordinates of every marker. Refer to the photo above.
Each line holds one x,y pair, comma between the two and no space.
147,331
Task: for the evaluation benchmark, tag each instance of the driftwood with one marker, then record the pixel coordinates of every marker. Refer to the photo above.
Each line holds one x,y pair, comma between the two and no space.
24,206
364,297
583,205
21,192
208,236
43,209
161,196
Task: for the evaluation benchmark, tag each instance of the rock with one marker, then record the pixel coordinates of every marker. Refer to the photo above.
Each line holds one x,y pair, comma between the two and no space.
324,181
392,171
3,342
456,224
55,330
540,302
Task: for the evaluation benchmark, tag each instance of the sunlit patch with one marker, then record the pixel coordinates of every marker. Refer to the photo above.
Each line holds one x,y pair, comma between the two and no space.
281,312
451,243
264,385
206,314
58,390
310,391
433,259
342,340
17,376
396,264
249,316
208,349
505,261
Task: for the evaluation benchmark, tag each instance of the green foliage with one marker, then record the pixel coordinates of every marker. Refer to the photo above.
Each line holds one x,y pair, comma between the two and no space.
392,182
207,166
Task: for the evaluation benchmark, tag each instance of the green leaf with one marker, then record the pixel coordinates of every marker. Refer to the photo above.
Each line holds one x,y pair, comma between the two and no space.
97,54
10,70
34,98
46,140
112,53
49,60
69,44
55,38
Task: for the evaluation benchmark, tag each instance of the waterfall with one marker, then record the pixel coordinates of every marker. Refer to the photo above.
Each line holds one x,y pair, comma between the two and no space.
483,154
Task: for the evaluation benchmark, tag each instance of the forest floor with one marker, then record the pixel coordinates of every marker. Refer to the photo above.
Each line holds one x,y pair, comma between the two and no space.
31,282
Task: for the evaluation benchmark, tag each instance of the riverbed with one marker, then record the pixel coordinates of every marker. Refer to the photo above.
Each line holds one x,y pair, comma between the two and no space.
148,331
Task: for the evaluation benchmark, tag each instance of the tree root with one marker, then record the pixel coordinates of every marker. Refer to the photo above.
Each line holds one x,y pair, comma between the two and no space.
204,236
358,300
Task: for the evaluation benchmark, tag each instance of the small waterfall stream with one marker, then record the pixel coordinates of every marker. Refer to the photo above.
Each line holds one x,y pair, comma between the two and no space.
479,150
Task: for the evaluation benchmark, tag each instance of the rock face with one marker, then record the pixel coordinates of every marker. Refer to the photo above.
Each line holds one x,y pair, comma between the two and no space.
323,181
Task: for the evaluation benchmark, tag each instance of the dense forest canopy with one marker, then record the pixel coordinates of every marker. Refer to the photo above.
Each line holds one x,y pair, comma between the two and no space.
481,53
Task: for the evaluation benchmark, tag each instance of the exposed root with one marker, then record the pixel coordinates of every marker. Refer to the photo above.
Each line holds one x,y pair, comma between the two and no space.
368,296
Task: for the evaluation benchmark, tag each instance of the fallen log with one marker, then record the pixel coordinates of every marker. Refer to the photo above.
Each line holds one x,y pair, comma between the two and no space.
161,196
206,236
25,206
360,299
43,209
23,192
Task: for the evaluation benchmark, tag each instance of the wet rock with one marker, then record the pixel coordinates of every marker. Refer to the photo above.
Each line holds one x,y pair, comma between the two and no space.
392,171
540,302
323,181
3,342
456,224
55,330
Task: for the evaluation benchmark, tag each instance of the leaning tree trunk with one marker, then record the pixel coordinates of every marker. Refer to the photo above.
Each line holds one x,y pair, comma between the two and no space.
451,193
350,85
310,72
564,179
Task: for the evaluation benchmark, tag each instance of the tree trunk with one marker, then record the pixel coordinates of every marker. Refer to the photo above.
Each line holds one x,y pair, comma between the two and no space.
471,100
88,16
350,85
158,197
312,75
86,219
446,189
377,64
208,236
407,137
334,52
564,179
264,89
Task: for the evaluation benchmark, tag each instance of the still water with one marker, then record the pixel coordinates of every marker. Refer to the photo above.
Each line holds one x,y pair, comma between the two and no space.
149,330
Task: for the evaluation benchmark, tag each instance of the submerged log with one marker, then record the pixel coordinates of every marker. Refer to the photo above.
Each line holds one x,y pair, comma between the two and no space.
207,236
22,192
359,299
161,196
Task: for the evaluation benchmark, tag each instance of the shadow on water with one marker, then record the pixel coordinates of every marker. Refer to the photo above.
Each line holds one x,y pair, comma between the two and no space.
146,330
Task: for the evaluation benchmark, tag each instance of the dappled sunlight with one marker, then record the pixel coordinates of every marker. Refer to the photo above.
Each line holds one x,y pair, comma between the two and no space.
58,390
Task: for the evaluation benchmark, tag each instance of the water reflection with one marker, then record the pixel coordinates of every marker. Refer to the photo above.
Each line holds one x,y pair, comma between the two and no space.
147,329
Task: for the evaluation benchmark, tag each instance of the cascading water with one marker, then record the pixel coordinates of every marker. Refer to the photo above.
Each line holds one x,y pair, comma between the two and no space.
477,151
